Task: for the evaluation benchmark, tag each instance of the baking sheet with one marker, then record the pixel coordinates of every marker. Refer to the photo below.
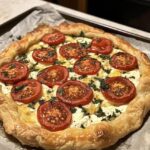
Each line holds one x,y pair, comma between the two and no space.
47,14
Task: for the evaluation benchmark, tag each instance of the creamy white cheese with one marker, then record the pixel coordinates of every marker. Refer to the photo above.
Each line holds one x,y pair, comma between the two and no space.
88,114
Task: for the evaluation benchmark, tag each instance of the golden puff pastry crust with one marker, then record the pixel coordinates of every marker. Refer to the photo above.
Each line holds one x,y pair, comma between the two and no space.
96,136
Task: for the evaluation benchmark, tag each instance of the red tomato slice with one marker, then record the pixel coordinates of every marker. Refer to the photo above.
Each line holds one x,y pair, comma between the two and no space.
72,50
75,93
86,66
47,56
123,61
54,116
121,90
13,72
101,46
26,91
54,75
54,38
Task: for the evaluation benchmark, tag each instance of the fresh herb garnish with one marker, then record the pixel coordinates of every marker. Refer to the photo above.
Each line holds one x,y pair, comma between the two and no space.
73,110
82,126
73,78
52,99
104,57
104,85
48,91
31,105
100,113
84,44
84,110
70,69
82,76
91,84
132,77
117,111
57,62
97,101
5,73
106,70
33,67
60,91
82,34
19,88
41,101
23,58
51,53
11,66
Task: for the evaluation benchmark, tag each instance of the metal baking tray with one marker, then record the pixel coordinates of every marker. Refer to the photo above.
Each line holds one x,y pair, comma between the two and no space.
138,38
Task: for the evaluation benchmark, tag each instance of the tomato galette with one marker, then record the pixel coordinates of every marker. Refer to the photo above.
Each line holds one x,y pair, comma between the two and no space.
72,87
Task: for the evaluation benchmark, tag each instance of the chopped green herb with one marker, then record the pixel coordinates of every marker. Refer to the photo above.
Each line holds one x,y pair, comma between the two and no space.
104,85
11,66
73,78
82,126
53,99
124,72
117,111
104,57
51,53
41,101
100,113
84,44
5,73
60,91
84,110
33,67
91,84
59,62
19,88
96,101
73,110
48,91
23,58
106,70
132,77
82,76
111,117
31,105
82,34
70,69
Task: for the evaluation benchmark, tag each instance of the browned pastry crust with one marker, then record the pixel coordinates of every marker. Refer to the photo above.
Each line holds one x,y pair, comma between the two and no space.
95,136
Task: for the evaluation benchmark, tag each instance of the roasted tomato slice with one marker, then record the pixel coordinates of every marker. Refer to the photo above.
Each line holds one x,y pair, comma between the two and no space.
54,75
101,46
54,116
54,38
75,93
13,72
26,91
86,66
120,90
47,56
123,61
72,50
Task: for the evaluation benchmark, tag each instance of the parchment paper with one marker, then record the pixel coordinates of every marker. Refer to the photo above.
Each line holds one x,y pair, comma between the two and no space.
139,140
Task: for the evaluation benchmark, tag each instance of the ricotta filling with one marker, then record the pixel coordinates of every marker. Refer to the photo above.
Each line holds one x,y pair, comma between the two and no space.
96,111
